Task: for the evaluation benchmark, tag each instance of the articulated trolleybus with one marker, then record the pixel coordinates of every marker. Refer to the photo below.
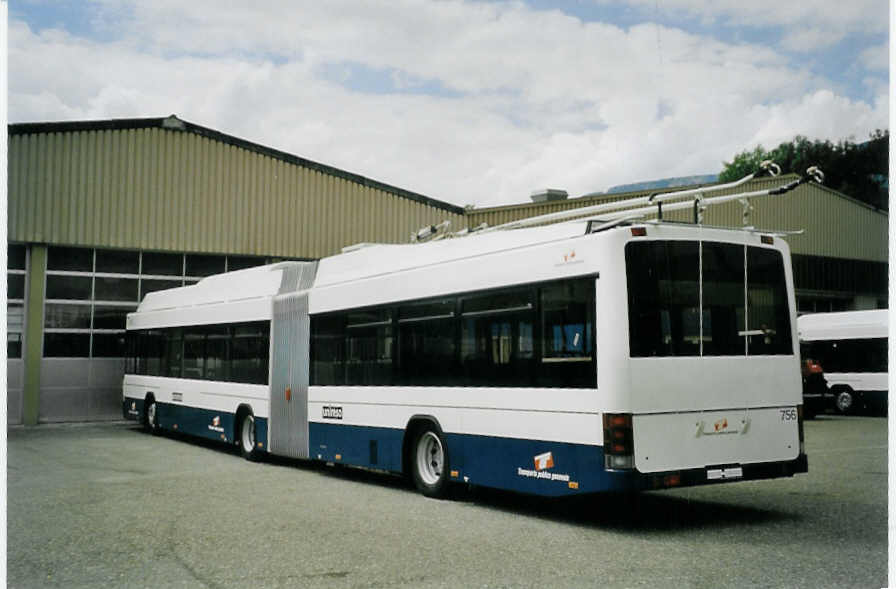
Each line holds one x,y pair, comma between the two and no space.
607,354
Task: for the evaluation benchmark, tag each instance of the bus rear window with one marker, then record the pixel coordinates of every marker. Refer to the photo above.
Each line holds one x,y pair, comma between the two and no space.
689,298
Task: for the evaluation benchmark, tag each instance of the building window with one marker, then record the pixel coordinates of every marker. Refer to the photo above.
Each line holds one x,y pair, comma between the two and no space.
16,257
809,304
15,326
90,292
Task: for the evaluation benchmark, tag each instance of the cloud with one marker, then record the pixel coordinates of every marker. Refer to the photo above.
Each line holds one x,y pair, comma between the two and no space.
465,102
876,58
806,25
809,39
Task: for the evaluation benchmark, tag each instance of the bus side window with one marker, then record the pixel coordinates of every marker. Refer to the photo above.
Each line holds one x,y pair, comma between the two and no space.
249,353
427,349
217,353
174,352
567,334
368,347
496,338
328,349
194,352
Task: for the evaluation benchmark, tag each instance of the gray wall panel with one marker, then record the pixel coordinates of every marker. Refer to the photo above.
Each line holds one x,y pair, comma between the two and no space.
64,372
106,372
14,373
68,404
104,404
15,370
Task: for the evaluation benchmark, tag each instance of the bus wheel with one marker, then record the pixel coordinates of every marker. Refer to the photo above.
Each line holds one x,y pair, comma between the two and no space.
151,418
247,437
844,400
430,463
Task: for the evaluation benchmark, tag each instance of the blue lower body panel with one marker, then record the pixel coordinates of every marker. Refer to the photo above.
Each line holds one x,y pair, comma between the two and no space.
370,447
203,423
538,467
527,466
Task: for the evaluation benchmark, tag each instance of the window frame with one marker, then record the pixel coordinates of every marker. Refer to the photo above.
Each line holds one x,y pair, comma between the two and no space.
534,373
15,302
635,306
141,279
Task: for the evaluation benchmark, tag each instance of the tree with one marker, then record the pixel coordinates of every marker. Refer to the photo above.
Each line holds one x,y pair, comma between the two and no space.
857,170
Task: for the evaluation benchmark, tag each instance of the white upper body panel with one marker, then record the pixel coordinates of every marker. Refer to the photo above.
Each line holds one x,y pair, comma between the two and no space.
843,325
682,383
382,274
243,295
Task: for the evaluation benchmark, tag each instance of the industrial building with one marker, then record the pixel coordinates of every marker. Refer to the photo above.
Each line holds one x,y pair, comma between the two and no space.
103,212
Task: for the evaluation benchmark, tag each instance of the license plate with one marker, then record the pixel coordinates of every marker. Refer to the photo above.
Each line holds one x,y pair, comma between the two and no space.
722,474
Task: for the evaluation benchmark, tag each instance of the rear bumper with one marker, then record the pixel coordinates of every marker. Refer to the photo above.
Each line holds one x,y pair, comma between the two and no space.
751,472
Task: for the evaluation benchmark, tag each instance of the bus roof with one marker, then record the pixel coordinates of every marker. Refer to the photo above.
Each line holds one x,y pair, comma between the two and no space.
369,260
843,325
379,259
239,285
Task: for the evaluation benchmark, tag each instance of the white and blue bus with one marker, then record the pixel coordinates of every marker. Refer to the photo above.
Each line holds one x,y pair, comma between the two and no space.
851,348
562,359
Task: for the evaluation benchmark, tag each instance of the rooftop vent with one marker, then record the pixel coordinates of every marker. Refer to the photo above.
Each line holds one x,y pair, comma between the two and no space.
549,194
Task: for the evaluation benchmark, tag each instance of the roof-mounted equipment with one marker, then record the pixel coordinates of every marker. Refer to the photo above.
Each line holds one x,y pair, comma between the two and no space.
627,210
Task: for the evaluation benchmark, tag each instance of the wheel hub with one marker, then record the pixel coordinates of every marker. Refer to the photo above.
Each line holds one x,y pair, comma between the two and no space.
248,434
430,458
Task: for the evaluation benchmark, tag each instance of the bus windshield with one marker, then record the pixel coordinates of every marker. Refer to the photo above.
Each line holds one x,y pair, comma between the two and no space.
690,298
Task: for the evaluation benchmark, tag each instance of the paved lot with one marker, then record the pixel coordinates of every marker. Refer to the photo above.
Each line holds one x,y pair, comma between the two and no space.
107,505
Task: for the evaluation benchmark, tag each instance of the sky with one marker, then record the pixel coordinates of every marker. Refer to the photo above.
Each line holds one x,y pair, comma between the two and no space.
469,102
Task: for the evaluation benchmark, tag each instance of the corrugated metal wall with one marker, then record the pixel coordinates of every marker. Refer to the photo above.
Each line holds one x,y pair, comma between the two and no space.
833,224
163,189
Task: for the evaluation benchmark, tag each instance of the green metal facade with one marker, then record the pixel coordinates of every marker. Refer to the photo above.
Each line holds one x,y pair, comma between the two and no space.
190,189
833,224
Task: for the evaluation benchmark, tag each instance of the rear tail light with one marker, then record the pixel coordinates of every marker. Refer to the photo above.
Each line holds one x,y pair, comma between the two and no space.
799,421
618,441
812,366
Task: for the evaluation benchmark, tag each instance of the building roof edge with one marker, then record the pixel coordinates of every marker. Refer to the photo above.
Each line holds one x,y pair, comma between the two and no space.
173,123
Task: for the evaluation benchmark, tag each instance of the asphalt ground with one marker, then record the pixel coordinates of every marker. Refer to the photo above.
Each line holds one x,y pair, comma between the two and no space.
110,506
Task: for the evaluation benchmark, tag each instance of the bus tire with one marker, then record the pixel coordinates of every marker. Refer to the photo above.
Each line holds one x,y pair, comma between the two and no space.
246,437
429,462
151,417
844,400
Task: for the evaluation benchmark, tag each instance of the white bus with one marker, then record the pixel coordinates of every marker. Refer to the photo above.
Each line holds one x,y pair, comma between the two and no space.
562,359
851,348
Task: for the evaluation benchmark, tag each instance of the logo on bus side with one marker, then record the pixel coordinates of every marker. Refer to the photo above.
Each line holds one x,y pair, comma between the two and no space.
569,257
542,463
216,425
331,412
